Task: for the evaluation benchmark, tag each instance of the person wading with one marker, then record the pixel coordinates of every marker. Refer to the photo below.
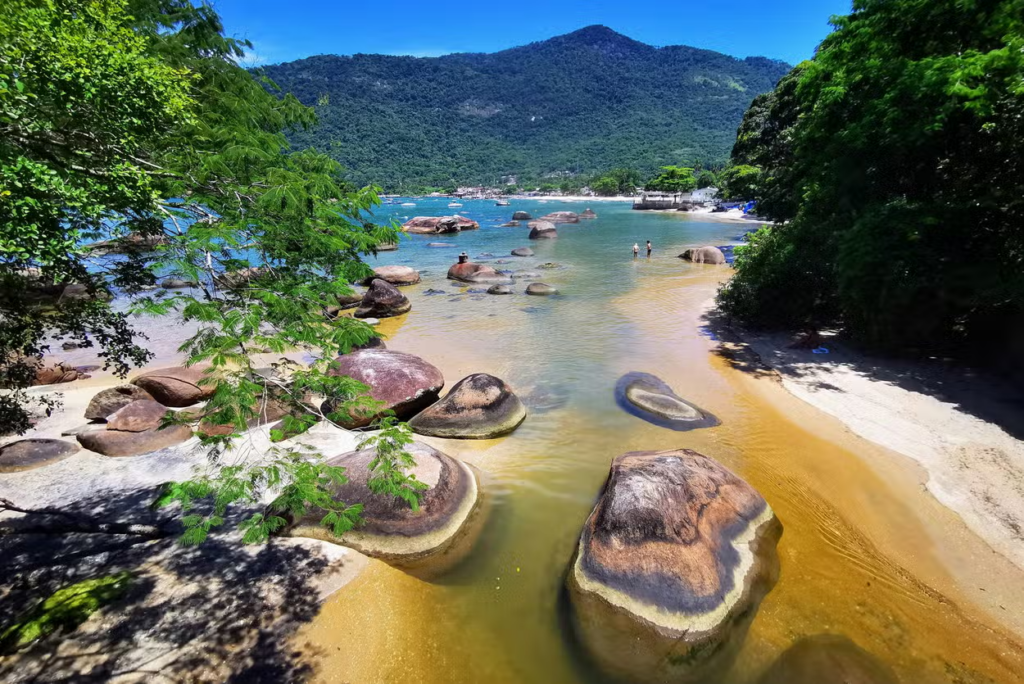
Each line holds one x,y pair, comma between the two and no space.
636,250
649,248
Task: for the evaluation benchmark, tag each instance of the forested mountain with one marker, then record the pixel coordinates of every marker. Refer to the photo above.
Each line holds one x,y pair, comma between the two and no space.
584,102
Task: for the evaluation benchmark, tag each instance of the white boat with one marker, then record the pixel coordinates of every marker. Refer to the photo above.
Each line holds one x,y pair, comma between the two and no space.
452,205
501,203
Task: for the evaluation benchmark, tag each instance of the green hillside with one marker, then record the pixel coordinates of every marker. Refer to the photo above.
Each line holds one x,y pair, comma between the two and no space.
583,102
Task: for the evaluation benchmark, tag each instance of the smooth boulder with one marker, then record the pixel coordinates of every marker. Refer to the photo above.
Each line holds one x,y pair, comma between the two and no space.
391,529
671,567
703,255
522,216
122,443
561,217
112,399
588,214
138,416
475,273
396,275
499,290
28,454
510,224
522,252
540,290
542,230
650,398
404,383
383,300
176,386
479,406
55,373
827,658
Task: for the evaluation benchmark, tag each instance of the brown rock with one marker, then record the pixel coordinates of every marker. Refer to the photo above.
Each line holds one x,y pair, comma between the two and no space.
522,252
406,384
433,225
117,443
349,301
383,300
541,230
266,412
55,373
588,214
522,216
28,454
480,406
703,255
475,273
391,529
650,398
827,658
138,416
396,275
112,399
561,217
177,386
671,567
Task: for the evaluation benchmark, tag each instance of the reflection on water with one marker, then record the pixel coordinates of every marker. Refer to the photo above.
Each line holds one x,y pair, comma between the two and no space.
857,555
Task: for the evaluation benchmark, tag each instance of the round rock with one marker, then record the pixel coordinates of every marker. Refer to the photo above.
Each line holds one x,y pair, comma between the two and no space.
383,300
391,529
479,406
113,399
27,454
588,214
561,217
648,397
671,567
396,275
177,386
406,384
827,658
522,252
138,416
475,273
499,290
118,443
540,290
542,230
703,255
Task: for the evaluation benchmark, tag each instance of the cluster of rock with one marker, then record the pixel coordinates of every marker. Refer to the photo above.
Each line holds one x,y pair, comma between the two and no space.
434,225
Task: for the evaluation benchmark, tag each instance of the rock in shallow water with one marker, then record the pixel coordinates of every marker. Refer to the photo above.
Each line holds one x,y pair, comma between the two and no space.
405,383
522,252
522,216
479,406
540,290
383,300
703,255
827,658
391,529
28,454
671,567
499,290
542,230
648,397
475,273
396,275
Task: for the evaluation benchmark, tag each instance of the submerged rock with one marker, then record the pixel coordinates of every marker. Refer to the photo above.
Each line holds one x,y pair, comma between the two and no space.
439,245
827,658
550,265
499,290
391,529
703,255
404,383
522,252
540,290
28,454
561,217
113,399
542,230
671,567
55,373
588,214
475,273
522,216
648,397
383,300
396,275
510,224
177,386
479,406
120,443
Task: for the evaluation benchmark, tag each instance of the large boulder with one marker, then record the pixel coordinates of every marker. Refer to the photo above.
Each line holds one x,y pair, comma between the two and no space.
522,216
383,300
671,567
396,275
588,214
542,230
391,529
480,406
138,416
703,255
122,443
561,217
112,399
27,454
177,386
827,658
650,398
404,383
434,225
476,273
540,290
522,252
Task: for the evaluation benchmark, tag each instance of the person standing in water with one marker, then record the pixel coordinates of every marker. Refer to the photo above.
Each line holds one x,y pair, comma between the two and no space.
636,250
649,248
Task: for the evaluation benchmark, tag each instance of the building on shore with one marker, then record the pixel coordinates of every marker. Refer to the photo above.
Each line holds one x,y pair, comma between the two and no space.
683,201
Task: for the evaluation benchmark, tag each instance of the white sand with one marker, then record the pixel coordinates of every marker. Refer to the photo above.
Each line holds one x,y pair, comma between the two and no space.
947,420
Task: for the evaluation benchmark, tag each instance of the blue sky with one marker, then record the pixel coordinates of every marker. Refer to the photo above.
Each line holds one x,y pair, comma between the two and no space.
283,31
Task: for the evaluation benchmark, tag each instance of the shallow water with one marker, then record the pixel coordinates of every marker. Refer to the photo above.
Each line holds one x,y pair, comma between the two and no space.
865,552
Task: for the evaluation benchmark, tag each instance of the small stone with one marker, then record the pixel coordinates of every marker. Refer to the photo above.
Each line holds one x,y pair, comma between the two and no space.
138,416
499,290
